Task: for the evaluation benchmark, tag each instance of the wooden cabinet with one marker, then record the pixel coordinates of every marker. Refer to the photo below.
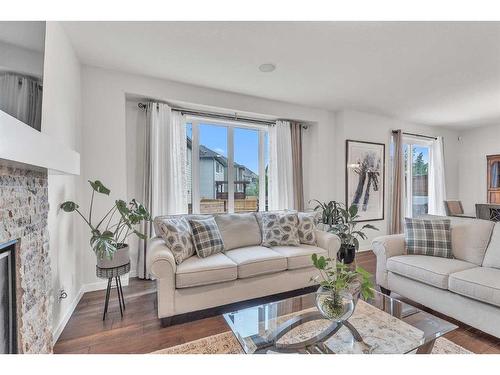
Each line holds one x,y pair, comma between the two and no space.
493,193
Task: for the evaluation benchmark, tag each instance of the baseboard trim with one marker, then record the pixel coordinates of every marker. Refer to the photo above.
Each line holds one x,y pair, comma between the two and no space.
101,285
62,324
92,287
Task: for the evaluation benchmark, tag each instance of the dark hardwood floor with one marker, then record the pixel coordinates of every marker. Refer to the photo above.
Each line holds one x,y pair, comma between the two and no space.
140,331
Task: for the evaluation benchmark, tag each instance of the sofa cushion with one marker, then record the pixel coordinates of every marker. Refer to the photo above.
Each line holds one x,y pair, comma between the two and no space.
492,255
238,230
176,232
429,270
256,260
480,283
428,237
470,238
206,237
280,229
299,256
197,271
307,228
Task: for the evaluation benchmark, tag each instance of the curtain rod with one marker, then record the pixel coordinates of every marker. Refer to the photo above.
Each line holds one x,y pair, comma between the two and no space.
416,135
222,116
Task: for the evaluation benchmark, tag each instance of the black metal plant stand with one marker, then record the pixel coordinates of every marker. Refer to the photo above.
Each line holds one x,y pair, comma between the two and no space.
110,274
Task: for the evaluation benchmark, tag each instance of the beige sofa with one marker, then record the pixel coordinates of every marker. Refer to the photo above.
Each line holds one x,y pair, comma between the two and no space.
466,288
245,271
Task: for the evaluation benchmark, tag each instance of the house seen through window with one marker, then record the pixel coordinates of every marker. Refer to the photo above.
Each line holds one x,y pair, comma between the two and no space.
226,167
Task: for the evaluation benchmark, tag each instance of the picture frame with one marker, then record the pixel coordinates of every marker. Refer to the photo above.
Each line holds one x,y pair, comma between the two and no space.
365,179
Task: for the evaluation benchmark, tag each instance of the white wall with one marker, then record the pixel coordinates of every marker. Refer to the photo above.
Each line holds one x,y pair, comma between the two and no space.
20,60
135,121
368,127
107,120
61,120
475,145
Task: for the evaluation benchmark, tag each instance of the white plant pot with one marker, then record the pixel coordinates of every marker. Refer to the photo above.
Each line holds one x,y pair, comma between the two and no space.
120,258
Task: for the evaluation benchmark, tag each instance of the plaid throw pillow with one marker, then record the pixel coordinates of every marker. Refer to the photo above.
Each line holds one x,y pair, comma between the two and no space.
428,237
206,237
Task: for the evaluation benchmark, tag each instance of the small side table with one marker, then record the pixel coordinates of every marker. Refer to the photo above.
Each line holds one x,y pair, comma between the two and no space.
110,274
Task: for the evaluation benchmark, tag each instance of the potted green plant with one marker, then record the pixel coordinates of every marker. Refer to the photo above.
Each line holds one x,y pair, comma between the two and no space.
108,237
340,288
343,222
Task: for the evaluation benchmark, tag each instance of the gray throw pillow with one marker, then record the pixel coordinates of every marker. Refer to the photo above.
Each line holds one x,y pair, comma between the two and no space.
176,233
280,229
428,237
206,237
307,228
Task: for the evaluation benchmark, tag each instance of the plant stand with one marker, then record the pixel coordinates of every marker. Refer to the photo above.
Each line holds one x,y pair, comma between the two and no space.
110,274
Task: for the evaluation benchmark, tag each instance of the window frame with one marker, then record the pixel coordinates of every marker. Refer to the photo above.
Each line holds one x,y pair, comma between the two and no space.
195,122
411,142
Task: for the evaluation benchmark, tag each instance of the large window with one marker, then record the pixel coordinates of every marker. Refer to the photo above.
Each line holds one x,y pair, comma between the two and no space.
416,155
226,166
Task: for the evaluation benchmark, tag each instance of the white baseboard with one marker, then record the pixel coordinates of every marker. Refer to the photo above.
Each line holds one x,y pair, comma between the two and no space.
57,332
100,285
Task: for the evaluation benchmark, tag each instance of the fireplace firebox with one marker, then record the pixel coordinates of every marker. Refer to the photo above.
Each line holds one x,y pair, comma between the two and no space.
8,319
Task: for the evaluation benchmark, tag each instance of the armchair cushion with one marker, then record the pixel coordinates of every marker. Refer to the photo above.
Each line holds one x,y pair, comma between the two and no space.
479,283
492,256
426,269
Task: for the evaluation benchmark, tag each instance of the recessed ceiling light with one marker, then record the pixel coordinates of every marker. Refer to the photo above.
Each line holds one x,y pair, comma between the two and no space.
267,68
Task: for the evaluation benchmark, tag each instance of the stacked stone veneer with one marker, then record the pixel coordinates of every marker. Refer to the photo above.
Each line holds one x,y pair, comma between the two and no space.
23,212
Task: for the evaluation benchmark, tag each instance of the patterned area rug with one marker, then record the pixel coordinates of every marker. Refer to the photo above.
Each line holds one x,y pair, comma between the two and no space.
226,343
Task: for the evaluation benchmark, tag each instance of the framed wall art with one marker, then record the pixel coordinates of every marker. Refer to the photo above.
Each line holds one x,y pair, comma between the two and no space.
365,178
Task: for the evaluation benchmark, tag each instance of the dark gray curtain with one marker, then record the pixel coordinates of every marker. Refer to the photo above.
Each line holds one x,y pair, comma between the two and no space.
397,186
298,181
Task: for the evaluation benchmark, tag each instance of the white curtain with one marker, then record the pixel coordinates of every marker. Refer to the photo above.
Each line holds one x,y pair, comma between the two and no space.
280,183
437,180
164,169
21,97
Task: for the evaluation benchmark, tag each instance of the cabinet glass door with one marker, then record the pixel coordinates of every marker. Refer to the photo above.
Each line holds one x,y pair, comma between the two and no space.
495,175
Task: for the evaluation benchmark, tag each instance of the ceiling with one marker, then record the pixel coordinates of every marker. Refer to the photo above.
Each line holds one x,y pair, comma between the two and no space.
435,73
26,34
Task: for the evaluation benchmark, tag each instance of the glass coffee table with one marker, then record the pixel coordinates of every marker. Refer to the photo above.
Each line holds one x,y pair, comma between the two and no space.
382,325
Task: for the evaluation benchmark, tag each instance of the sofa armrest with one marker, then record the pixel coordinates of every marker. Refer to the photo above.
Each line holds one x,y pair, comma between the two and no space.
328,241
160,260
385,247
161,265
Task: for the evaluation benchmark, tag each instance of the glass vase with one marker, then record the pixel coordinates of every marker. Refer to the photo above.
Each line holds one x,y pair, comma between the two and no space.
335,305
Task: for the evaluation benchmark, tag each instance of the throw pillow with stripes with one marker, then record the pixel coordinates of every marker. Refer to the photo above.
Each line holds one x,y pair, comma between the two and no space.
206,237
428,237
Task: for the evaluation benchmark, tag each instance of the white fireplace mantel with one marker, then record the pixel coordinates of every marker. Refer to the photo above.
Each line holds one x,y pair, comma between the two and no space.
22,144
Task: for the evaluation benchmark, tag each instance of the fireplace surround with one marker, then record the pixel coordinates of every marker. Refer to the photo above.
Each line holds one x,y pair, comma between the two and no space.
23,218
8,311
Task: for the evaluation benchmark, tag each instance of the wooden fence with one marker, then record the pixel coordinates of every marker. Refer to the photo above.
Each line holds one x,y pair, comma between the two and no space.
216,206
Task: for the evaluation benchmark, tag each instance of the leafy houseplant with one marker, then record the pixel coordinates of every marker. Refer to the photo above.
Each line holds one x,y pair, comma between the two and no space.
342,221
340,288
108,236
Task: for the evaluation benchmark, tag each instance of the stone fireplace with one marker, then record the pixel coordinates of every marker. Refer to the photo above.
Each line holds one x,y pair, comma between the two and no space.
23,212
